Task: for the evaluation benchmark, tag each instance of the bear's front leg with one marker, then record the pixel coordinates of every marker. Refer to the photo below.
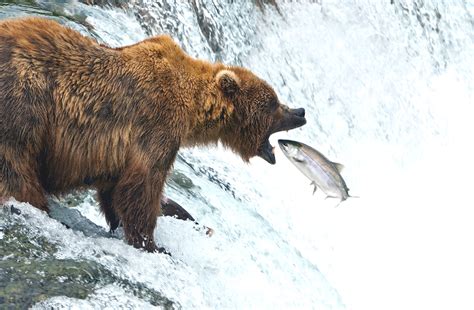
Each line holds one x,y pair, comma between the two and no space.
138,206
137,199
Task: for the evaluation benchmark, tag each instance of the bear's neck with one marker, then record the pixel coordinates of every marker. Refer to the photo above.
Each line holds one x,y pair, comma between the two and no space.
211,110
208,111
209,117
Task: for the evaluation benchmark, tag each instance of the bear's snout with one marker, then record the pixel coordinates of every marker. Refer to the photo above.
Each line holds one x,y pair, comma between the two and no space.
298,112
291,119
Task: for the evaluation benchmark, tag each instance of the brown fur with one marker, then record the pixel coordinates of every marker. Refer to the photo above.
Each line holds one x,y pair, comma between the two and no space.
75,114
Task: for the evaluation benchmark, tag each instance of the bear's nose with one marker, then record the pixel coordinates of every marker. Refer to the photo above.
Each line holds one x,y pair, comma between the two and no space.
298,112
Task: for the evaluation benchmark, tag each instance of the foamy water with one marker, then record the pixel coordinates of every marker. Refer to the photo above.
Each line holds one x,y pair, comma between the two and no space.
388,92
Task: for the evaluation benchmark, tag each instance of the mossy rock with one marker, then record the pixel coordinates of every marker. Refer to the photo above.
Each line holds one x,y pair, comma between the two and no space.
30,272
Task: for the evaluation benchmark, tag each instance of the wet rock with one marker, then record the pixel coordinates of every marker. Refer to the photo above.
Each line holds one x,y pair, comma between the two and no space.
114,3
14,210
261,4
30,272
73,219
211,30
181,180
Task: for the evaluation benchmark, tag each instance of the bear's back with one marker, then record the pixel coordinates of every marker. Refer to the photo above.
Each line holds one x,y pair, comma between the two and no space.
38,37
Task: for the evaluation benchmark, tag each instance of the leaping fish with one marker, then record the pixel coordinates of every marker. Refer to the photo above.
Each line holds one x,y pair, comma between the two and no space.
322,172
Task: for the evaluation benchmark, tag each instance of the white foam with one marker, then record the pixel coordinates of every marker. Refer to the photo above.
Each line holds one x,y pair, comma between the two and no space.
107,297
386,97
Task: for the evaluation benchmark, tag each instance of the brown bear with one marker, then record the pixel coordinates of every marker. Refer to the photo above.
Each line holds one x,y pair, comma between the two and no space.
75,114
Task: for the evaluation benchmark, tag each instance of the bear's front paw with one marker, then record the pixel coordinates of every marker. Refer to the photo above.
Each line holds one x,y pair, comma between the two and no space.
153,248
148,244
163,251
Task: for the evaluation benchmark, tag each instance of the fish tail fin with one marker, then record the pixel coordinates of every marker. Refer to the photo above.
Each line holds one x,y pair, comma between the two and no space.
350,196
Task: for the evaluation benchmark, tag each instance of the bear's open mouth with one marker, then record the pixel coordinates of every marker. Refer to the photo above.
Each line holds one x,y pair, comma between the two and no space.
266,151
292,118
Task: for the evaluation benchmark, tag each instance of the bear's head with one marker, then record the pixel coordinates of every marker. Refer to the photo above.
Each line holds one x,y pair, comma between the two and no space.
257,113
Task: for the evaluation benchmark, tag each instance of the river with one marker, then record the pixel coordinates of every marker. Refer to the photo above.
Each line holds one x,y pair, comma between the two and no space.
388,89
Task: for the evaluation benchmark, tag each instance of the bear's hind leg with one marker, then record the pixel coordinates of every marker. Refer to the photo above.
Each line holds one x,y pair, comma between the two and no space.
105,199
19,180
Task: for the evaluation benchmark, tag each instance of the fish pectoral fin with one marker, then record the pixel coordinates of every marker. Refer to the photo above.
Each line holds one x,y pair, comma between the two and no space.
338,166
315,187
330,197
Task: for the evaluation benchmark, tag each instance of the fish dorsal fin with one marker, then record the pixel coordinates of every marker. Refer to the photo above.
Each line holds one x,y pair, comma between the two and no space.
338,166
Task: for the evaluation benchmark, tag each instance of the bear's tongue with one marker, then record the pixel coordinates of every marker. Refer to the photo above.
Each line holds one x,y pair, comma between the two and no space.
266,152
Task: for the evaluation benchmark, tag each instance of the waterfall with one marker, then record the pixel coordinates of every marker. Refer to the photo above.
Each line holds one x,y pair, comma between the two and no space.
388,91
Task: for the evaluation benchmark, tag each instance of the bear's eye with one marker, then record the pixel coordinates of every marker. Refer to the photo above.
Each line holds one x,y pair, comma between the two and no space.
272,105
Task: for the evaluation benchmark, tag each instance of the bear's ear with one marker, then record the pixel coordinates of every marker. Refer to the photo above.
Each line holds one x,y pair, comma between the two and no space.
228,82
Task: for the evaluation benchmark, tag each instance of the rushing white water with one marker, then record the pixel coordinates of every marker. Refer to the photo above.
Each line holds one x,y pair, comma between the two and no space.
388,90
392,100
